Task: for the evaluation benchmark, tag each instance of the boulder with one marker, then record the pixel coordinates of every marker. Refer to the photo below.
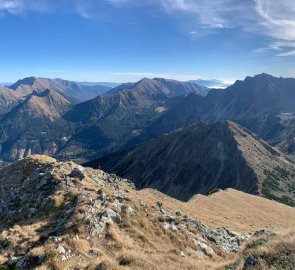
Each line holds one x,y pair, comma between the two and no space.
111,214
78,173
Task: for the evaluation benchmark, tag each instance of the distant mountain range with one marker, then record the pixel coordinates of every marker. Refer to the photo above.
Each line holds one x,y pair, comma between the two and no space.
80,130
5,83
264,104
110,121
74,92
211,83
107,84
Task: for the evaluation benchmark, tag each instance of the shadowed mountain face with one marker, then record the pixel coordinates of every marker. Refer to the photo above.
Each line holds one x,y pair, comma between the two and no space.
143,94
73,91
112,120
259,103
204,157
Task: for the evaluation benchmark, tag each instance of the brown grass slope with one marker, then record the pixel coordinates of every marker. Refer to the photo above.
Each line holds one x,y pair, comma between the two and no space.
61,216
274,253
8,99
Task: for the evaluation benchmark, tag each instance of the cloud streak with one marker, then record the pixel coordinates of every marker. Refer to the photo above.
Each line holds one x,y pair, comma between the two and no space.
277,19
18,7
272,18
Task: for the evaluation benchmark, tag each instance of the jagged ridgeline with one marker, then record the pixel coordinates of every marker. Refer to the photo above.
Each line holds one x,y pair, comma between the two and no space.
57,215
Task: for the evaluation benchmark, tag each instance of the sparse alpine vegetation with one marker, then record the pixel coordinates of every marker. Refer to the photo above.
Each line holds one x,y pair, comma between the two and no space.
58,215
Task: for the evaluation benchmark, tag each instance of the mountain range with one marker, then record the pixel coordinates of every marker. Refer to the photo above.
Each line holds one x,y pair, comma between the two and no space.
64,119
66,129
263,103
73,91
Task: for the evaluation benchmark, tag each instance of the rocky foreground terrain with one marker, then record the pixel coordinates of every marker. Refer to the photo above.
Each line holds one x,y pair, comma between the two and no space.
58,215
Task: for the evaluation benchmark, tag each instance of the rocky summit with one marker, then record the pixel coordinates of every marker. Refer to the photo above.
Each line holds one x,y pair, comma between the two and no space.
60,215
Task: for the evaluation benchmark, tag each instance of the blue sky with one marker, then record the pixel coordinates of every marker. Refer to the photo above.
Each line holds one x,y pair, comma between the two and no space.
125,40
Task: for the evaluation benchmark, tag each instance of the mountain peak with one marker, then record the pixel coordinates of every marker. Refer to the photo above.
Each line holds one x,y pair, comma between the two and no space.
73,91
25,81
200,158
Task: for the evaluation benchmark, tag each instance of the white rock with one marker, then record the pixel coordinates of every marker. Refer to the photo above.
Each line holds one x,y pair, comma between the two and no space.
60,250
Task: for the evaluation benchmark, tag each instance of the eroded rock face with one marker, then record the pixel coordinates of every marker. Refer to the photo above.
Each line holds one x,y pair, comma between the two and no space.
228,241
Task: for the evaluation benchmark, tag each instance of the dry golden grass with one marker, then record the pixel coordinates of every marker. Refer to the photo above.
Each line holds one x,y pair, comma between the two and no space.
232,209
140,241
269,252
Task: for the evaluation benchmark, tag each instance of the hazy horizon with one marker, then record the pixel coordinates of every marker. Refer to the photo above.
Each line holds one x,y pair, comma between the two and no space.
126,40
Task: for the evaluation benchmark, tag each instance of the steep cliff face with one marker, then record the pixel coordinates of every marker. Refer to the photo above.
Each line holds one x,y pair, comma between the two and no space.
201,158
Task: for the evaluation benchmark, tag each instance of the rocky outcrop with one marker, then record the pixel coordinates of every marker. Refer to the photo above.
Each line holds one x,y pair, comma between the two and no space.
61,214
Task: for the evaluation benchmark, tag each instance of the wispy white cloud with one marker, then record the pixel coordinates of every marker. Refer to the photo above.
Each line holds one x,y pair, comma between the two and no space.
11,6
218,26
277,19
208,14
273,18
288,53
18,7
82,8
